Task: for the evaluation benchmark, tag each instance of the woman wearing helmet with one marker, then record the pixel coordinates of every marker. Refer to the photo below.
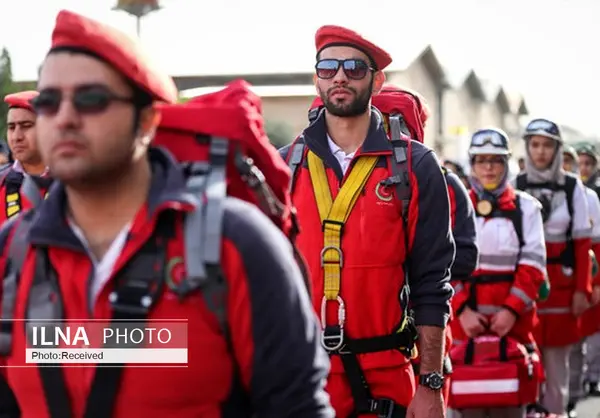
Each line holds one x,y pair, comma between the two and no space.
499,298
589,320
567,232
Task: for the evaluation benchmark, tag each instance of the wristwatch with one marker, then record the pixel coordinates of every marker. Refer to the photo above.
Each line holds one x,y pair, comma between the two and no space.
434,380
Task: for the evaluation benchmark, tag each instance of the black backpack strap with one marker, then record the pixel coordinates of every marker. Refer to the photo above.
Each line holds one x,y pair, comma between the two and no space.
295,159
569,188
138,286
400,166
313,114
516,217
521,182
12,183
40,306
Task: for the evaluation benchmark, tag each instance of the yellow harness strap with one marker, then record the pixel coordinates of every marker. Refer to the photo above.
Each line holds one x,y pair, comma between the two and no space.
333,217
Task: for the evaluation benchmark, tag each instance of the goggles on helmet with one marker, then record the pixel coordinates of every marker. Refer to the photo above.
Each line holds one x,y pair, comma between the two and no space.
489,141
543,127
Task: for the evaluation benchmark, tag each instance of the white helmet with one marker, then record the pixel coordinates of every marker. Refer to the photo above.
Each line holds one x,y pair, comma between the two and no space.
492,141
543,127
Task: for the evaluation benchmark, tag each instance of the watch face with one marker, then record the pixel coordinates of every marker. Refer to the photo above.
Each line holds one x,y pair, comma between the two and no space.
436,381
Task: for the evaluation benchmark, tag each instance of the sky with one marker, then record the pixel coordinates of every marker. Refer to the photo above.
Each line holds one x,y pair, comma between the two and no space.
546,50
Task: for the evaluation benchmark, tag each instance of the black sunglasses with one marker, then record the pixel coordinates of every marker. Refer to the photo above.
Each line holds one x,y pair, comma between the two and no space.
355,69
85,99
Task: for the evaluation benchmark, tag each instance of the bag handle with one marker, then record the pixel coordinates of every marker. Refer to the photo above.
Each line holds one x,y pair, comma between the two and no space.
470,350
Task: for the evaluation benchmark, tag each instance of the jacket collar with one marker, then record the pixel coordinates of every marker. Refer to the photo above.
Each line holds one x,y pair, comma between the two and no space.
376,142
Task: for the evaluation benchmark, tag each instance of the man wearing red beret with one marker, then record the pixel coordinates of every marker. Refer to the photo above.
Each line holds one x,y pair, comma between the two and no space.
101,245
368,246
25,183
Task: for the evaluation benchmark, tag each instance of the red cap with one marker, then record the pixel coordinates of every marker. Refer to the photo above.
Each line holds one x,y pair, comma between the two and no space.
21,99
117,49
331,35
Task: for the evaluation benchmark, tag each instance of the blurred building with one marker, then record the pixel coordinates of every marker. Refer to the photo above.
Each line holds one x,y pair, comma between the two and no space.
459,104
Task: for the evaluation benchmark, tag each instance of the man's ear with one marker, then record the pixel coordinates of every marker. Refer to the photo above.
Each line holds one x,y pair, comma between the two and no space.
149,120
378,82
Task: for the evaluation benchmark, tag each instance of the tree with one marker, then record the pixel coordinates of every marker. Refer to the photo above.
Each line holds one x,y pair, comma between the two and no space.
279,133
7,86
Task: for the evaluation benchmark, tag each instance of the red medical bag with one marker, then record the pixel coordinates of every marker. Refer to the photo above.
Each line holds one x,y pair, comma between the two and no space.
494,372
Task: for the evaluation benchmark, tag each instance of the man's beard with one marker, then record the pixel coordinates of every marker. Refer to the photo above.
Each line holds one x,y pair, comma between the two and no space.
357,107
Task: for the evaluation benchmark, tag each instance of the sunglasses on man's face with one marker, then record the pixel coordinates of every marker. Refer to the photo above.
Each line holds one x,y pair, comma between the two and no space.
85,100
355,69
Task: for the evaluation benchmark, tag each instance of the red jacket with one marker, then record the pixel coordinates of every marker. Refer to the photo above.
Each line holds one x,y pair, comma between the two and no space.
373,244
263,283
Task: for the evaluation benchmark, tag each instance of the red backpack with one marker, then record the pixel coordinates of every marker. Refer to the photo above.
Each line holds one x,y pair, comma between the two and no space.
227,126
393,100
220,140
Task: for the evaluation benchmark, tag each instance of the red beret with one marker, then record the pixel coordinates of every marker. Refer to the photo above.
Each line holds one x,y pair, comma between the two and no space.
330,35
116,48
21,99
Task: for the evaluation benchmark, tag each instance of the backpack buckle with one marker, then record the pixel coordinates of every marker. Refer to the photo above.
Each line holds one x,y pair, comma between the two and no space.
124,304
384,407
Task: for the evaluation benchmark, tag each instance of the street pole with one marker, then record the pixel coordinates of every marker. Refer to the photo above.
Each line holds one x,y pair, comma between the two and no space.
139,9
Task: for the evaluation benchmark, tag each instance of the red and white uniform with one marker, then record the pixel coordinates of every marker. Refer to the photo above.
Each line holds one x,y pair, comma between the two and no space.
500,253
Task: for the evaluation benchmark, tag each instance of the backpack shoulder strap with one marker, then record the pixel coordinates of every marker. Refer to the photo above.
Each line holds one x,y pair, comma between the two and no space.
295,157
12,194
521,182
15,233
203,233
569,188
517,219
401,164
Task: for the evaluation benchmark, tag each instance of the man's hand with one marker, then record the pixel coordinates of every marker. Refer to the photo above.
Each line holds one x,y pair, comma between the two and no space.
580,303
502,322
426,403
596,295
472,322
